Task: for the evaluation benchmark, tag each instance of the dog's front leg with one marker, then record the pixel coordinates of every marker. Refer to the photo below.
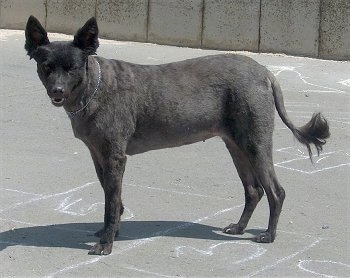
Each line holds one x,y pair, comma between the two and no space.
113,171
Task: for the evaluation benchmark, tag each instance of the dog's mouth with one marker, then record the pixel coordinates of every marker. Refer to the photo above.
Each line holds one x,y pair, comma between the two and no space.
57,101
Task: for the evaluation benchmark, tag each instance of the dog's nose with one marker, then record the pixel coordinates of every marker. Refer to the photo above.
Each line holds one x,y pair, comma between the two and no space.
58,91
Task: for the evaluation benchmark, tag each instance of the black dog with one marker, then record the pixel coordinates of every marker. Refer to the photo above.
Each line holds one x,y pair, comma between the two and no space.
118,109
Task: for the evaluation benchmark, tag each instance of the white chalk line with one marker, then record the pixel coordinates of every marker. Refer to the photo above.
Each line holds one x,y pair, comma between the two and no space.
58,227
22,192
65,205
345,82
322,158
130,246
44,197
84,263
144,241
310,172
174,191
284,259
300,153
325,89
255,255
304,157
210,252
132,215
302,266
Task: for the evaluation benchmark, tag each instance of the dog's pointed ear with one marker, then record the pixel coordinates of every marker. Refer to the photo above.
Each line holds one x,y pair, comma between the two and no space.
35,36
86,37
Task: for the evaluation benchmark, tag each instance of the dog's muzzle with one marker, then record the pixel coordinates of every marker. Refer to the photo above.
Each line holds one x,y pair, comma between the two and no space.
57,96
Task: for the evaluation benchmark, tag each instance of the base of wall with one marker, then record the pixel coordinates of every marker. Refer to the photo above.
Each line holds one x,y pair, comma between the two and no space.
313,28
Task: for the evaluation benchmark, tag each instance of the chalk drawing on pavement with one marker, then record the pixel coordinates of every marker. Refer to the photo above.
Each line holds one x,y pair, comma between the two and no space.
299,160
324,268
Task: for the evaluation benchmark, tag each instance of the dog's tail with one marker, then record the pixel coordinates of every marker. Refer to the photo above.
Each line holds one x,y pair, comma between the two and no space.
315,132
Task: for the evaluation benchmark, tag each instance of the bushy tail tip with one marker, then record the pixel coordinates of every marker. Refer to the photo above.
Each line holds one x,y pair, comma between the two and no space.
315,132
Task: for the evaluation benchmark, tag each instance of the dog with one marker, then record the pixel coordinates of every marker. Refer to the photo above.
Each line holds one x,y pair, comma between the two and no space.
118,109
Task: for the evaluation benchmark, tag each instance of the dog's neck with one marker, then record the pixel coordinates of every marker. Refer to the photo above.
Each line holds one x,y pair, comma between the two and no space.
87,90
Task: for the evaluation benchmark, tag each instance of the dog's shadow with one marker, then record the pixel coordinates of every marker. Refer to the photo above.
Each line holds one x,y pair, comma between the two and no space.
81,235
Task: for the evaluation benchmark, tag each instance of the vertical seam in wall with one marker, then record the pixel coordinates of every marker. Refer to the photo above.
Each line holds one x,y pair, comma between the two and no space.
202,23
259,31
319,29
147,18
45,5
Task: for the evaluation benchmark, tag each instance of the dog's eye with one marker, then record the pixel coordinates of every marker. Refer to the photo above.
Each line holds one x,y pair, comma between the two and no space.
72,70
46,68
69,68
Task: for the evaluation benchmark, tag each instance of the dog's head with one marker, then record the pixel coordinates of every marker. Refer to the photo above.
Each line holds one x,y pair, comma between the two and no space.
61,66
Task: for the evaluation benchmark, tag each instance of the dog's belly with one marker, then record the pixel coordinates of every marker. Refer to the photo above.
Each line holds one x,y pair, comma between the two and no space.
164,136
162,141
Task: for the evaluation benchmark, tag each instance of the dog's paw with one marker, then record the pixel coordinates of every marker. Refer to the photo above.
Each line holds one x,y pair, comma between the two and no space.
265,237
101,249
233,229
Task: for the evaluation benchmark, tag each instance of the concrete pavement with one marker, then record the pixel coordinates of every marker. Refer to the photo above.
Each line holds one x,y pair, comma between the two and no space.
177,200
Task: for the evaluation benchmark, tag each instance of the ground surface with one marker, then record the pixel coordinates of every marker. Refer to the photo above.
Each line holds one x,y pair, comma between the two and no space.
177,200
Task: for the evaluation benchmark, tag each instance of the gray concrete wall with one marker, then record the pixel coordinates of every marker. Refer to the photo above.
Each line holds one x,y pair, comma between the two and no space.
175,22
335,30
290,26
231,24
313,28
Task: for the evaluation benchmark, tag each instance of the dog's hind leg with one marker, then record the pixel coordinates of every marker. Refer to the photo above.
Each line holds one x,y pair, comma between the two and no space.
253,191
248,137
261,160
275,195
257,174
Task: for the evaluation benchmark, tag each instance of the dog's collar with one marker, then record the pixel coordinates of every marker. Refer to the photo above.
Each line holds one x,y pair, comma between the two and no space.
74,113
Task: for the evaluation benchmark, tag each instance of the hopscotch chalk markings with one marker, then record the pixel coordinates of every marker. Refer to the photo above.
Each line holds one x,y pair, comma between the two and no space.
254,251
45,197
65,207
326,161
173,191
345,82
143,241
69,205
214,249
277,70
129,213
23,192
287,258
309,265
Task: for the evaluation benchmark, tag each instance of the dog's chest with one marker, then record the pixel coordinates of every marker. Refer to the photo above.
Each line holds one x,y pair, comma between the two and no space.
81,129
